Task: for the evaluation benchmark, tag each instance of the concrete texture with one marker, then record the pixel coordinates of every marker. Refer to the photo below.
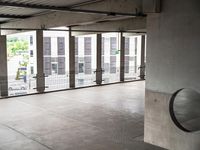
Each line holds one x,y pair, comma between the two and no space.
172,63
160,129
186,110
3,67
173,47
99,118
40,62
57,19
136,24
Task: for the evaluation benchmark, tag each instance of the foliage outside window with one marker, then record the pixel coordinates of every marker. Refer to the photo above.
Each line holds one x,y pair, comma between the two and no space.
19,47
15,46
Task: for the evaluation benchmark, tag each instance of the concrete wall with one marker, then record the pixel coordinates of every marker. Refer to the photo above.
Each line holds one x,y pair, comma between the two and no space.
173,59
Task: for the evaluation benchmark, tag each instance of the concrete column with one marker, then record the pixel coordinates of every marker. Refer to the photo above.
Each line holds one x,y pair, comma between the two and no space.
40,62
71,60
122,56
99,60
142,66
3,67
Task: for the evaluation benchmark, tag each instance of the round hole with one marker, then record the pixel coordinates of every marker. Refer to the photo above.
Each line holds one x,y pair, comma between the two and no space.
185,110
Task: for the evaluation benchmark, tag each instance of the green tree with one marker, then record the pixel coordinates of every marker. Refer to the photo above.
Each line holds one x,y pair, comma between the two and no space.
15,44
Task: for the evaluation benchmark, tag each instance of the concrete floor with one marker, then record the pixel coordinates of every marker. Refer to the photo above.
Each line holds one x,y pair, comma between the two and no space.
100,118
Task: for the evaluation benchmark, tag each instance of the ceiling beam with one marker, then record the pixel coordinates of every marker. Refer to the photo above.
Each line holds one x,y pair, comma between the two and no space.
85,3
14,16
55,8
130,24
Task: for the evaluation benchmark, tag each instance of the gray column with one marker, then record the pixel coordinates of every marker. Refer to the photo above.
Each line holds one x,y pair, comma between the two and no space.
40,62
3,67
71,60
142,67
122,56
99,59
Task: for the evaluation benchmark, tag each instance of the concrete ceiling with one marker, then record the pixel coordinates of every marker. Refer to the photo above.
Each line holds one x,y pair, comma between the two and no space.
21,9
49,2
37,14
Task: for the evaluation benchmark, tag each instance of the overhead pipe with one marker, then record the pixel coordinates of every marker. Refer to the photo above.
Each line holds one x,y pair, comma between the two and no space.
85,3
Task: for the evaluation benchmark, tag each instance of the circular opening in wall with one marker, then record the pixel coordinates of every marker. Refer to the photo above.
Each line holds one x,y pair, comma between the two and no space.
185,110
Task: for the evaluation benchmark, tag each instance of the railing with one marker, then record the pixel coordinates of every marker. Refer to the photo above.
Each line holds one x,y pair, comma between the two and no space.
133,72
27,84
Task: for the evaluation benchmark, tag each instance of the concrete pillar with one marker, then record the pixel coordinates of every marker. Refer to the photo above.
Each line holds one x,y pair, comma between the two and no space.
142,66
71,60
3,67
40,62
99,60
122,56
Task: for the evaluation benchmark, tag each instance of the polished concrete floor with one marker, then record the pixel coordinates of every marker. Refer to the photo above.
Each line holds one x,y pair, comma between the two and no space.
99,118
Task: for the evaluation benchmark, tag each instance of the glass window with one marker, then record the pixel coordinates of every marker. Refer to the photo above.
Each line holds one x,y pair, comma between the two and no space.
31,40
56,60
21,55
132,57
32,70
54,68
85,60
111,57
31,53
81,68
